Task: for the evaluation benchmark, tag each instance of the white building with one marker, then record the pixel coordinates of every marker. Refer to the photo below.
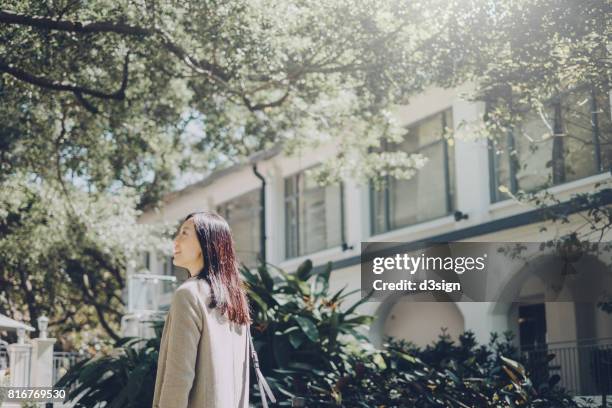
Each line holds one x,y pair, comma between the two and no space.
304,221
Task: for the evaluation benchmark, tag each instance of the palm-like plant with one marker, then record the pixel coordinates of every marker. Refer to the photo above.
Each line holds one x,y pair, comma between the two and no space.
125,378
301,327
297,324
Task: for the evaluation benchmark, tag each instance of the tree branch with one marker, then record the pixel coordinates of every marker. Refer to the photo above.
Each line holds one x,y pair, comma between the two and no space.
8,17
104,27
89,297
67,87
261,106
104,323
98,257
28,295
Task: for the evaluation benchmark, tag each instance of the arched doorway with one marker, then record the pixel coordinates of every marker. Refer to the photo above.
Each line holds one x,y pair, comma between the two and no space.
552,310
418,319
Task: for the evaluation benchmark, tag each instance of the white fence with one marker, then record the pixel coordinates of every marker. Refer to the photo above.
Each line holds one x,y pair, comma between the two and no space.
62,361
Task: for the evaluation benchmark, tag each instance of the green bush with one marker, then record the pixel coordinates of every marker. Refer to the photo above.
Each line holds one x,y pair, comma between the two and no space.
310,347
300,329
443,374
125,378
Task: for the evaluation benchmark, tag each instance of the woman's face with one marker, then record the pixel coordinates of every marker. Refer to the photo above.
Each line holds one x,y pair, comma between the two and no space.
187,251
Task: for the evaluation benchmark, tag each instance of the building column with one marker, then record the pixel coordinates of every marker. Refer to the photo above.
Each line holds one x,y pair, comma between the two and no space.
275,214
472,196
42,362
19,364
354,228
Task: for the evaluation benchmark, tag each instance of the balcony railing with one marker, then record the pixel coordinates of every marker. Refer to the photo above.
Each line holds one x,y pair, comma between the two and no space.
148,298
148,292
62,361
583,367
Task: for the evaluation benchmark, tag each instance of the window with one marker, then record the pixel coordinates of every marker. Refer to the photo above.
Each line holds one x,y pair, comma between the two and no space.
243,214
569,140
313,215
427,195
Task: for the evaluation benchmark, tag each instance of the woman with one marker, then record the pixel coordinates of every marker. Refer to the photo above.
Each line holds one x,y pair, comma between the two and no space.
204,352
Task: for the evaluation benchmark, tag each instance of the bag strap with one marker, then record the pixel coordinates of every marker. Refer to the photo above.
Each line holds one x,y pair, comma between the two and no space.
264,388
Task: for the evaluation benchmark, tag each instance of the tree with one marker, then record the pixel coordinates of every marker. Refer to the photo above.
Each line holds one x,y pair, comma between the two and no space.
253,73
110,88
67,260
99,98
96,97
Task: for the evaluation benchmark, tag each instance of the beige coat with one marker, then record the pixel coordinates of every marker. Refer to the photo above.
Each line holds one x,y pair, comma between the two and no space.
203,357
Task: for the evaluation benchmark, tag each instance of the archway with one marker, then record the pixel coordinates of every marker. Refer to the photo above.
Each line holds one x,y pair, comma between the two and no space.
416,318
552,309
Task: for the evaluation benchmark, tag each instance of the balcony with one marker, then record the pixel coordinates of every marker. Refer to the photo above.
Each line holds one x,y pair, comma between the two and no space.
148,296
583,367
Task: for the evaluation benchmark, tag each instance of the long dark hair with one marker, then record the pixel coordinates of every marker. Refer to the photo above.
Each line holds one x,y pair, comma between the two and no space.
221,266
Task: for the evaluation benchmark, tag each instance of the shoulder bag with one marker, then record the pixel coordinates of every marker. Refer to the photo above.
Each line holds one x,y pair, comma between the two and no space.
264,388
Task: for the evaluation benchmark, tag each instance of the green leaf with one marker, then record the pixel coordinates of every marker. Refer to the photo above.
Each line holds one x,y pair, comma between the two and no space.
266,279
304,270
333,328
338,294
323,278
296,338
513,364
308,327
359,320
260,302
356,304
248,276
